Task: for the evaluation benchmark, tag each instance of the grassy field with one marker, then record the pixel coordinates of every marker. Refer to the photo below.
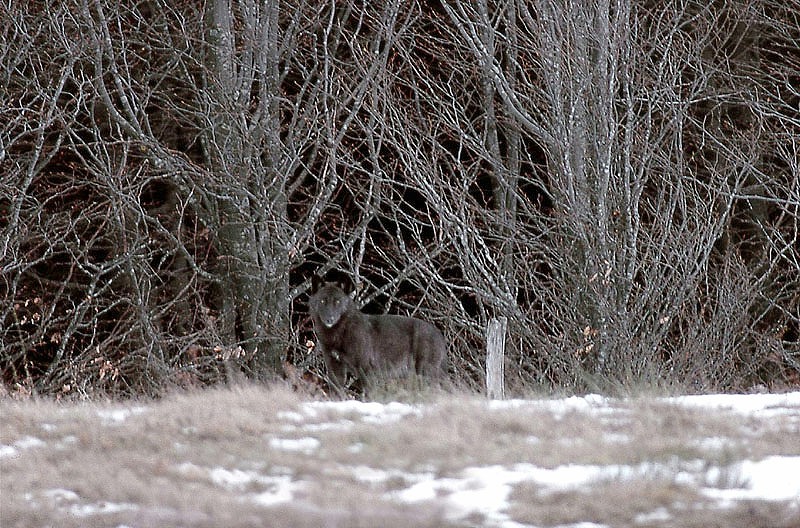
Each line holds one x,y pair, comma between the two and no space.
263,456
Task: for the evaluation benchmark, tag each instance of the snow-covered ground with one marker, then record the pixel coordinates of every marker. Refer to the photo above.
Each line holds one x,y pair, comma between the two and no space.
485,489
460,494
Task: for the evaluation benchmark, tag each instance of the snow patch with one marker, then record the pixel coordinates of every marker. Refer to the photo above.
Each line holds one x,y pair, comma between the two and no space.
69,501
370,412
272,489
305,445
117,416
715,443
282,490
291,416
658,515
101,508
232,479
367,412
590,403
59,495
485,490
763,404
775,478
8,451
26,442
375,476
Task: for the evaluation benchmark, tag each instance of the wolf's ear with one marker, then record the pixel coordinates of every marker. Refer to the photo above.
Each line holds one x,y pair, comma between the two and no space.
316,283
346,284
340,279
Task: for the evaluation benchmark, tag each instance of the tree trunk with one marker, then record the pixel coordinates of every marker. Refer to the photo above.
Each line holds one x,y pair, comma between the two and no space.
249,207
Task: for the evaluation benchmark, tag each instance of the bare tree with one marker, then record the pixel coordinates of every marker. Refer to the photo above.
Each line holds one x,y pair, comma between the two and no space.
209,145
616,242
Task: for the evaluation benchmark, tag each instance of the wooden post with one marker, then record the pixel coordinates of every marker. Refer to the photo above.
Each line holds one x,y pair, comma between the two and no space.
495,351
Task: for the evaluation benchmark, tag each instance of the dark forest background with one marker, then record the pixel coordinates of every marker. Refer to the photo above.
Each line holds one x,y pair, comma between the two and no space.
618,178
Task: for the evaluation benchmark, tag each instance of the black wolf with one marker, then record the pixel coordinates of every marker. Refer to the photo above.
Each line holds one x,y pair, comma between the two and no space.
371,347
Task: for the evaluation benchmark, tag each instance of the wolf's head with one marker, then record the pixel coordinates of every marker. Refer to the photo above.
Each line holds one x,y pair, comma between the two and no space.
329,301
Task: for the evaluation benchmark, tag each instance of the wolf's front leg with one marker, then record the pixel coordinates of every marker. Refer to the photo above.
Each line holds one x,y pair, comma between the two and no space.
337,371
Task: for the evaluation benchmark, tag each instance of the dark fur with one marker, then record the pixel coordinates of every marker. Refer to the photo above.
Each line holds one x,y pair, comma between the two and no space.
371,347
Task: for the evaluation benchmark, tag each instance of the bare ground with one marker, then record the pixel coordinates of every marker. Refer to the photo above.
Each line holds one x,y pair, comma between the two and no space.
263,456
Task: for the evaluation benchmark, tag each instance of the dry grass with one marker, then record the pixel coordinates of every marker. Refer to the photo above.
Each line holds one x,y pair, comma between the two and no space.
649,502
229,457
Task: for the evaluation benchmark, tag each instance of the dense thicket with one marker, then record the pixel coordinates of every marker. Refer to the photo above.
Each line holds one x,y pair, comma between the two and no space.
619,178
